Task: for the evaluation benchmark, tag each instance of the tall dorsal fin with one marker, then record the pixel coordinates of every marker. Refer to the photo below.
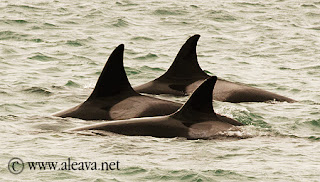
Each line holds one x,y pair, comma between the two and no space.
186,64
199,106
113,79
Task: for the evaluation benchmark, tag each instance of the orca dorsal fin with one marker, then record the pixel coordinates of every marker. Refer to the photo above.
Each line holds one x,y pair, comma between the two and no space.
113,78
186,65
199,106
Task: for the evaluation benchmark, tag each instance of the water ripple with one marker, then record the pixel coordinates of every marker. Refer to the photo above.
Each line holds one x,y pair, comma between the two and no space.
41,57
38,91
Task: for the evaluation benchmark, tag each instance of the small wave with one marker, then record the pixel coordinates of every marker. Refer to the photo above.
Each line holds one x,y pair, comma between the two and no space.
9,117
4,93
314,123
309,6
248,118
38,90
8,51
132,71
36,40
10,35
194,6
264,56
72,84
68,22
147,68
147,73
120,23
126,3
168,12
35,28
24,7
296,50
53,69
315,28
285,68
147,57
249,4
41,57
316,67
49,25
19,22
12,108
220,16
94,13
43,26
74,43
62,9
159,174
79,42
83,58
295,90
314,138
142,38
133,171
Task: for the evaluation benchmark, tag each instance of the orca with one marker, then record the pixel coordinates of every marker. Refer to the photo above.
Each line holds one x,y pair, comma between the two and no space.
114,98
196,119
185,75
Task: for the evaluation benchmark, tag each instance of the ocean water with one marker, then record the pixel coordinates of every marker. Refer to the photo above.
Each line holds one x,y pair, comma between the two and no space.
52,52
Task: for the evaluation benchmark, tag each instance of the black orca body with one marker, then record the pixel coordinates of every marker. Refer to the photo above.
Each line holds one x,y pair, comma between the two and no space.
185,75
196,119
114,98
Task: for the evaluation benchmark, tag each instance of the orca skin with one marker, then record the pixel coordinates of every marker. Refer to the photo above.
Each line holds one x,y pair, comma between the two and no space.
185,75
114,98
196,119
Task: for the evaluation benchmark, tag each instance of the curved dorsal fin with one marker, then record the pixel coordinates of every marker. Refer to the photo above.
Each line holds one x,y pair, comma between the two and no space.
186,64
199,105
113,79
